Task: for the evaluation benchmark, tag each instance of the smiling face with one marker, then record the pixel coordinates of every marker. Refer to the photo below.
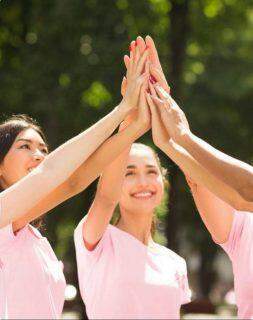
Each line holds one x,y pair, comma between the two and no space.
143,186
27,152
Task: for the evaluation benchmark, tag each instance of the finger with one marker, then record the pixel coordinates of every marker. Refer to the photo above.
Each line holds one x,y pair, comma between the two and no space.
136,56
130,66
141,44
123,86
162,94
142,62
126,61
158,76
158,102
154,58
152,89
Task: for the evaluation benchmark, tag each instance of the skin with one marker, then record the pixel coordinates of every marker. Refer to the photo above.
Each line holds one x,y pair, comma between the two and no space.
237,175
137,185
112,188
88,171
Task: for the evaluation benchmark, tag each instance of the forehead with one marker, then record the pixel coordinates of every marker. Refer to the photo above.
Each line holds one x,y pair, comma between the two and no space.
30,134
141,157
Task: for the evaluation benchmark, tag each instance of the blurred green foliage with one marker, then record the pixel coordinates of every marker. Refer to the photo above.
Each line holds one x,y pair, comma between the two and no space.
61,62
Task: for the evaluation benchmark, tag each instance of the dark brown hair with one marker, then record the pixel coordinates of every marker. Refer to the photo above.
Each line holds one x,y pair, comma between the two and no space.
9,130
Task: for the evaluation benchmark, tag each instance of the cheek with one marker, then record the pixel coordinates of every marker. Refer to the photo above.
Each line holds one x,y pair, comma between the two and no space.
160,189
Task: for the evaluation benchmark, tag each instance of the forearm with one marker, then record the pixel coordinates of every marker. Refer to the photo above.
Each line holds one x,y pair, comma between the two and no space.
55,169
201,176
85,174
103,156
106,199
235,173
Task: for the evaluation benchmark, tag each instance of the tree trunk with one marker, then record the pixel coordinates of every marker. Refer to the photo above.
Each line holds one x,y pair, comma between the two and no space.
179,21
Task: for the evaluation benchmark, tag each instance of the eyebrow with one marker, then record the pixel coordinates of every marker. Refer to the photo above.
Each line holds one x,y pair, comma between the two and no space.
131,166
30,141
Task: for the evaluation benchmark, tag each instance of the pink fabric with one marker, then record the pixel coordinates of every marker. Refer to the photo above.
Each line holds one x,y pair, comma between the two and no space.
239,247
32,283
124,279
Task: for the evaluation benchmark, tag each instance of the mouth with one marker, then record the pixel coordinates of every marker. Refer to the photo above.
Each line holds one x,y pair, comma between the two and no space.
143,194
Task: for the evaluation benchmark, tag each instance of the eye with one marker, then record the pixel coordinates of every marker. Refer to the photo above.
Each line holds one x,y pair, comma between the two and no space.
25,146
129,173
45,151
152,172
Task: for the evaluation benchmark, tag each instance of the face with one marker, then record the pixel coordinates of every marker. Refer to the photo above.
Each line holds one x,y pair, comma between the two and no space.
143,185
25,154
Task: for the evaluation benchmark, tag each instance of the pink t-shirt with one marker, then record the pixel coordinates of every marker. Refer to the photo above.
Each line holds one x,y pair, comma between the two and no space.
124,279
239,247
32,283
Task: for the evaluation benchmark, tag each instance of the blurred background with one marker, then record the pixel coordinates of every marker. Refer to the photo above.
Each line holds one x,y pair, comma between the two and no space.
61,63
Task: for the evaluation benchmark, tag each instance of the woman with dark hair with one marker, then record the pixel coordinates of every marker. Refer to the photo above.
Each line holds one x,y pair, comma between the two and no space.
33,182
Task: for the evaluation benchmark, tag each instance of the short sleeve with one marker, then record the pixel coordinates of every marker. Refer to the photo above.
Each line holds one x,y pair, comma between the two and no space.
7,236
239,226
86,260
184,285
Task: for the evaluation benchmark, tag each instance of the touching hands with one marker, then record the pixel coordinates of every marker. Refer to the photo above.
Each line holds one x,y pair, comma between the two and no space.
136,78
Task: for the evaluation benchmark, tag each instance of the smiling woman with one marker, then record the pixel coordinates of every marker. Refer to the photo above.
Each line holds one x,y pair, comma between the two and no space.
20,138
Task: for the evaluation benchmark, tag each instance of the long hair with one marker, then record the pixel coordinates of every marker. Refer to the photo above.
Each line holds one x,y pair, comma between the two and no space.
9,130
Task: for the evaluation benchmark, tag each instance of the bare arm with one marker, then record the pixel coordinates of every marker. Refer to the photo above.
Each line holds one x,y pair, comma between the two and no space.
235,173
188,164
75,184
60,164
216,214
88,171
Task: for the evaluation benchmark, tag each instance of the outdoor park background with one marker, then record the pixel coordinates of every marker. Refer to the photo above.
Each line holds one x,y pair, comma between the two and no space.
61,63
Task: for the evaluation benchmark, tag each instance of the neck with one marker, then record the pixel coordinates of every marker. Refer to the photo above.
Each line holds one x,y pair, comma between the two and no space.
137,224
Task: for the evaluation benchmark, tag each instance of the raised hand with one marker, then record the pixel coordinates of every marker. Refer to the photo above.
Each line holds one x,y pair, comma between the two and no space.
135,79
159,133
172,116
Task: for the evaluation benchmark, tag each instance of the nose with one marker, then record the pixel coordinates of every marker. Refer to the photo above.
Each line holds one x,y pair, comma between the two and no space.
142,180
38,156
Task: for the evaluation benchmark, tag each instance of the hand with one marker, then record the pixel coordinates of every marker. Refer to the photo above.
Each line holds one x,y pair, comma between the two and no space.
172,116
159,133
135,79
141,116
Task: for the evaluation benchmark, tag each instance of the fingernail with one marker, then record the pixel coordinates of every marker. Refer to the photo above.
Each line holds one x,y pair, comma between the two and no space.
153,79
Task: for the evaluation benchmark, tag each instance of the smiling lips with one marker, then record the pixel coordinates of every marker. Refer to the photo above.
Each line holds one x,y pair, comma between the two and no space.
143,194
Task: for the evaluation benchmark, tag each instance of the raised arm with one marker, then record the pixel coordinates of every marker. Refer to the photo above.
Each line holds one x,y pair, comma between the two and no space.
109,186
60,164
91,168
216,214
184,160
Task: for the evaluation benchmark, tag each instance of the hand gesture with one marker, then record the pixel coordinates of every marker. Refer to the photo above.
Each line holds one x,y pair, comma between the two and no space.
172,116
135,79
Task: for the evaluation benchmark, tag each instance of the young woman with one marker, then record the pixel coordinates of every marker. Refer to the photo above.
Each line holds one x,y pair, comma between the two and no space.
232,229
123,273
31,279
236,177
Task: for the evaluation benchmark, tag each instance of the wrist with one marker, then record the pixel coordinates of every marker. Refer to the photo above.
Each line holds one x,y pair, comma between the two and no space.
184,138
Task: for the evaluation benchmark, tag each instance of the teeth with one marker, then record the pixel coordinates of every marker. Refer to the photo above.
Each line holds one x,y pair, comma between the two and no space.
144,194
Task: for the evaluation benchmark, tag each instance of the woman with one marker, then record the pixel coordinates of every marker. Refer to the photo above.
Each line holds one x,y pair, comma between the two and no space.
31,279
122,272
232,229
